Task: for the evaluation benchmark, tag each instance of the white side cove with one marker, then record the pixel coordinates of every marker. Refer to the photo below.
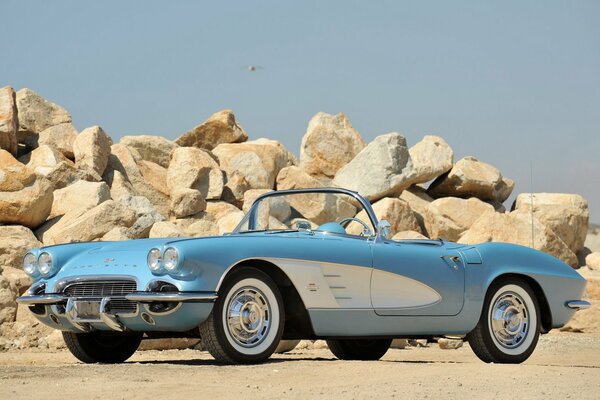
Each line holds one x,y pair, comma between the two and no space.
328,285
389,290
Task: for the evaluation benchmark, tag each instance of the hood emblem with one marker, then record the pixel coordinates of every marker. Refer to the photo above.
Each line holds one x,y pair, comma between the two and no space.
107,260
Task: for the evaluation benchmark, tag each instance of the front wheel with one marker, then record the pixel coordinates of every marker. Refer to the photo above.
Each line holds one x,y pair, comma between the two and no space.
247,320
508,329
360,349
102,347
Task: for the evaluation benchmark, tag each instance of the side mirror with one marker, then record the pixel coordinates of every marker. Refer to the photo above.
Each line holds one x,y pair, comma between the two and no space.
384,229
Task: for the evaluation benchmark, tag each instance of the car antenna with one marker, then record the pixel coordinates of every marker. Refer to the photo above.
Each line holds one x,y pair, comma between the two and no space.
531,200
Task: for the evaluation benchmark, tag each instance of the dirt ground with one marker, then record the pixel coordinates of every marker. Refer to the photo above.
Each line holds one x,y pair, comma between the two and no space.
565,365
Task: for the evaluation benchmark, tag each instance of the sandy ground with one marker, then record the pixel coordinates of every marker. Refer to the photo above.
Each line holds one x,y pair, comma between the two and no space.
563,366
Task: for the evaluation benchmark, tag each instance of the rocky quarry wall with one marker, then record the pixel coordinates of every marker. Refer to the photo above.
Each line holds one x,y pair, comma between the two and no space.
60,185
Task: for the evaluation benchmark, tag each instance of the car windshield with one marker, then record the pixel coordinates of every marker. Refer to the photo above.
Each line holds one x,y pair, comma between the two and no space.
332,212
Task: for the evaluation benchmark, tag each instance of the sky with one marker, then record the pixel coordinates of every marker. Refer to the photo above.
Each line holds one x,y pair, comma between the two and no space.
514,83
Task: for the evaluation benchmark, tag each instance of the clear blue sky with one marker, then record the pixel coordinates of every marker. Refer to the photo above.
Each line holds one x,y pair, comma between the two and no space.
510,82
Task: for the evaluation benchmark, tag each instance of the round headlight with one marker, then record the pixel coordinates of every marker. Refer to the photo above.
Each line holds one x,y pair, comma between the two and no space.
171,259
154,260
45,263
30,264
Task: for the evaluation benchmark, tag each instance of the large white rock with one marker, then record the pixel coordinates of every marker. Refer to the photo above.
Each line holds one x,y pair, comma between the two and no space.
9,122
156,149
164,229
395,211
566,214
381,169
472,178
409,235
155,175
81,195
61,137
8,304
15,241
220,127
92,150
258,161
235,187
592,260
193,168
431,157
186,202
449,217
125,179
418,201
516,227
84,226
330,142
37,114
25,199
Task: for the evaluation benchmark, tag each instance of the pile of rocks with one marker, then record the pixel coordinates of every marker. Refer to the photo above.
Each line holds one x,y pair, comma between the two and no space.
59,185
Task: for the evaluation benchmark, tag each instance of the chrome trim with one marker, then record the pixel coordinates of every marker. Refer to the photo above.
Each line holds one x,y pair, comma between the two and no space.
71,315
61,284
578,304
41,299
36,287
149,297
109,319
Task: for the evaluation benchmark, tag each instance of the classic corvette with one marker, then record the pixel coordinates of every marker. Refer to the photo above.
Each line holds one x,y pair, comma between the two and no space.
302,264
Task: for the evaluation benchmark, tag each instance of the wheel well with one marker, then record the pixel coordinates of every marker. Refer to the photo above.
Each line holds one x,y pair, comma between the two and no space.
297,321
546,314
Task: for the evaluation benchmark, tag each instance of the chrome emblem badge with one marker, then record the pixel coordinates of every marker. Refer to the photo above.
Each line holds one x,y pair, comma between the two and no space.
107,260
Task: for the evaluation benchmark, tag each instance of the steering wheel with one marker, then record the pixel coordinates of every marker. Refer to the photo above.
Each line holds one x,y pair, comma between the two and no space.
367,230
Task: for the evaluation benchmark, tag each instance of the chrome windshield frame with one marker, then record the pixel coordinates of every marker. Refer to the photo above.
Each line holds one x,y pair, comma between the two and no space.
364,202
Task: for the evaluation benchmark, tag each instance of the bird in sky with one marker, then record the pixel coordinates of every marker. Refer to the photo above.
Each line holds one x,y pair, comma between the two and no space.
253,68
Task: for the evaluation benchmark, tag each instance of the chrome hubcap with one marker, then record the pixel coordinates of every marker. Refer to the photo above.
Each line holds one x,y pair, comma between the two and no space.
509,320
248,316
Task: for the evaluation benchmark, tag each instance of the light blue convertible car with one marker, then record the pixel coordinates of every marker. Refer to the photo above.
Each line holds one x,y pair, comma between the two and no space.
302,264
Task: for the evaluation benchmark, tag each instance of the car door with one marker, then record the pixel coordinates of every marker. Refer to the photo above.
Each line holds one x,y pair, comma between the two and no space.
416,278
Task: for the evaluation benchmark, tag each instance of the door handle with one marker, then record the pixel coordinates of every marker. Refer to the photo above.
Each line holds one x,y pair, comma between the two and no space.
451,258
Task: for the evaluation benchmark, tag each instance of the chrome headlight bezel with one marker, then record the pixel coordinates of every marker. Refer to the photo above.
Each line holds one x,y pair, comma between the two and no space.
171,259
45,264
154,260
30,264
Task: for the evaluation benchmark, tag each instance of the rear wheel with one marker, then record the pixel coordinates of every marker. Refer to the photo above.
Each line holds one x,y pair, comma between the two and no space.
360,349
102,347
247,320
509,327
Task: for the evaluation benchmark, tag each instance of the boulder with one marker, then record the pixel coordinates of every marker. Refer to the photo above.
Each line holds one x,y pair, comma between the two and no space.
286,345
186,202
418,200
472,178
125,179
515,227
229,221
116,234
381,169
218,209
587,321
219,128
8,304
449,217
449,344
50,163
395,211
330,142
9,122
37,114
43,159
15,241
235,187
19,280
156,149
202,227
80,196
25,199
92,150
592,260
251,195
193,168
431,157
592,288
84,226
155,175
566,214
145,213
165,229
60,137
258,161
409,235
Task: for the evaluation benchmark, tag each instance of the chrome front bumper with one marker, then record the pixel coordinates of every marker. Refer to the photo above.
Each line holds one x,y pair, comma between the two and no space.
578,304
141,297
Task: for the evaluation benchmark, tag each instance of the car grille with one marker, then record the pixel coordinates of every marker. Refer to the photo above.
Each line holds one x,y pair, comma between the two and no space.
116,290
100,288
